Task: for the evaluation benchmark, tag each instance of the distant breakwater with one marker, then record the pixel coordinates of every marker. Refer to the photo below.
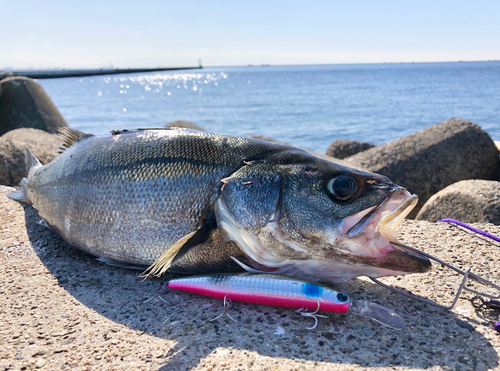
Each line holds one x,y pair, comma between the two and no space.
51,74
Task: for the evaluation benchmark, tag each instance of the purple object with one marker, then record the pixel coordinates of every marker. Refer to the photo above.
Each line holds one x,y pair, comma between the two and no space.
497,326
478,231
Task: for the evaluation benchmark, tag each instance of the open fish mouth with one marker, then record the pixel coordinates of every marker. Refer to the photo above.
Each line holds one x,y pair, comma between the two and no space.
370,233
384,217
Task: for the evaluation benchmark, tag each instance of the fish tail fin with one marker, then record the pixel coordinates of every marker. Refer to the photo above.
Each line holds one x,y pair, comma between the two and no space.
31,160
21,193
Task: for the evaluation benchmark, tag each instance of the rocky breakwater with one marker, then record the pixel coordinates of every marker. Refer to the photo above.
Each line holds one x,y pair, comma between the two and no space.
12,160
184,125
431,159
27,117
469,201
343,148
25,104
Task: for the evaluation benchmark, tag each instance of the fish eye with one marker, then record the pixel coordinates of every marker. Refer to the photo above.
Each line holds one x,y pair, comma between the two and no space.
342,187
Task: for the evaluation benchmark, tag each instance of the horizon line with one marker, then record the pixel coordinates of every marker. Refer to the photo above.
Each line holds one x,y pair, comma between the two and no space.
12,69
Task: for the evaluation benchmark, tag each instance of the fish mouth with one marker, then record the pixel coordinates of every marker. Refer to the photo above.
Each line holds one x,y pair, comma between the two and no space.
386,216
370,233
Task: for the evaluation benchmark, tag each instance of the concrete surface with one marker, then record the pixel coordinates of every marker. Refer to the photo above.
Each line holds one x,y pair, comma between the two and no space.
63,310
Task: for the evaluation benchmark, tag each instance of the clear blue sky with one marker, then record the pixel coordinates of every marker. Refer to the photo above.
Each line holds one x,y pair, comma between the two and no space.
145,33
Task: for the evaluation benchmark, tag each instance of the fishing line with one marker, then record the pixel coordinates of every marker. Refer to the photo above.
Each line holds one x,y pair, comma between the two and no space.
471,228
478,301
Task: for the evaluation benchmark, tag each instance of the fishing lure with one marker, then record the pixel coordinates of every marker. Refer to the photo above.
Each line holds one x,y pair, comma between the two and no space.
268,289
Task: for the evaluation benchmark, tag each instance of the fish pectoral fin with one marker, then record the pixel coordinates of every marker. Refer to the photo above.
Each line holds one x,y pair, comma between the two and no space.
181,248
164,262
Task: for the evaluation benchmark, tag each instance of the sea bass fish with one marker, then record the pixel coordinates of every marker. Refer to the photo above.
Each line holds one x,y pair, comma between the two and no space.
192,202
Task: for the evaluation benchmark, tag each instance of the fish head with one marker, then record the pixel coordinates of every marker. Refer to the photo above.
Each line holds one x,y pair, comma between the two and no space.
317,220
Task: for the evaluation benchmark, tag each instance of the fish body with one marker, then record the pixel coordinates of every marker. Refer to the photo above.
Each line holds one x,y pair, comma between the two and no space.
195,202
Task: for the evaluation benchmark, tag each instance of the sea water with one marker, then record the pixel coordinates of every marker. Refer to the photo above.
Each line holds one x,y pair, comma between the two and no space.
308,106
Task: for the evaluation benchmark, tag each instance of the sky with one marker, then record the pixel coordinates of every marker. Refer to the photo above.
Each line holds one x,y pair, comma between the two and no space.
131,34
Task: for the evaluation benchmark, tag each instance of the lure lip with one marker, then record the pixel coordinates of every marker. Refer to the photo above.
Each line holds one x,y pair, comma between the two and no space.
378,313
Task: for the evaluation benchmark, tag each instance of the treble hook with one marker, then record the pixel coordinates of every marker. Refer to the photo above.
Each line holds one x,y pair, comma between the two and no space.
303,311
466,276
227,305
479,302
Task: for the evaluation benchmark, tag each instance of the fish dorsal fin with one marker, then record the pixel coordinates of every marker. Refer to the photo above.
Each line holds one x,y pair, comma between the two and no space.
71,136
121,131
181,248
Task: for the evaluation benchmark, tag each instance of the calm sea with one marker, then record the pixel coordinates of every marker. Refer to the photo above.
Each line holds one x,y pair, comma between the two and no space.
309,106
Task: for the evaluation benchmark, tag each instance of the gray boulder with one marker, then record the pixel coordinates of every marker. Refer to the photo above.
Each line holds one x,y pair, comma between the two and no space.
12,160
470,201
431,159
5,74
25,104
262,137
343,148
183,124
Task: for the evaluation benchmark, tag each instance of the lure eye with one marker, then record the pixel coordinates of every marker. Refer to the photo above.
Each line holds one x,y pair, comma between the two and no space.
342,297
342,187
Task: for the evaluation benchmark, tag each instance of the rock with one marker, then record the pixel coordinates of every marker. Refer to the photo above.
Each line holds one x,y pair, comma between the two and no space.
12,160
497,144
261,137
431,159
25,104
470,201
183,124
343,148
5,74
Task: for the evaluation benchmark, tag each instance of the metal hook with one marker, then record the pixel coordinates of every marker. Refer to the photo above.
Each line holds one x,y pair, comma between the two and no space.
303,311
473,276
227,305
466,275
479,302
424,300
158,295
154,297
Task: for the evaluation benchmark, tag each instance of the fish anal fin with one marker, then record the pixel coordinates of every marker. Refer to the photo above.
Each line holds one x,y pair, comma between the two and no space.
71,136
116,263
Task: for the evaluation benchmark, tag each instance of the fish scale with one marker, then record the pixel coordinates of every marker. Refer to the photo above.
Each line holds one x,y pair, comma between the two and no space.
195,202
130,196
